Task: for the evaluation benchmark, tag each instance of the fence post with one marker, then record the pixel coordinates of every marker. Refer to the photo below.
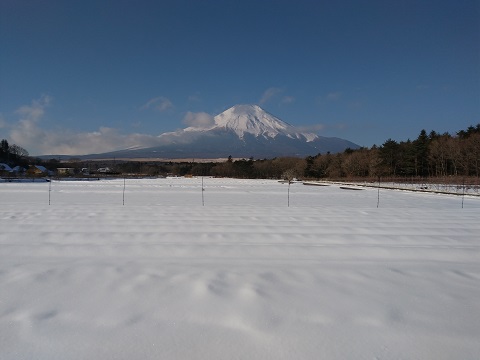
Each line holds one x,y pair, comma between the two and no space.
203,198
49,189
288,194
123,191
378,191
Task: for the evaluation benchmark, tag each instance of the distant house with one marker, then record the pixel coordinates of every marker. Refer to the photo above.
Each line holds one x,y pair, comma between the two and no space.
5,169
65,171
38,170
104,170
18,170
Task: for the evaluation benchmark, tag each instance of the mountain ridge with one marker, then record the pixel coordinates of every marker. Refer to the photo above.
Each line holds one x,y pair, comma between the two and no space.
242,131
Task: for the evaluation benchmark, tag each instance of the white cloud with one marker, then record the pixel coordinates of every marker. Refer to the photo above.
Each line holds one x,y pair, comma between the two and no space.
270,93
334,96
27,133
198,120
317,128
35,110
66,142
159,103
3,122
275,94
288,99
314,128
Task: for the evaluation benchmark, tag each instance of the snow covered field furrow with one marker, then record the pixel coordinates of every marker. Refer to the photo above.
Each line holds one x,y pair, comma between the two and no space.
239,278
187,192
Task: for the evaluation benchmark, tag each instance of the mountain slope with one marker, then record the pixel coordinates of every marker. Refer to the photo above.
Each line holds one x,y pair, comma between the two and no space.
252,119
241,131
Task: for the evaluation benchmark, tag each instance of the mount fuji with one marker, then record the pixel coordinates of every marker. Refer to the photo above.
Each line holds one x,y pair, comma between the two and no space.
241,131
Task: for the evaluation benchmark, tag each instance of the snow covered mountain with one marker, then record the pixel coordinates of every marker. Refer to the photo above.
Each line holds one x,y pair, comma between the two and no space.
252,119
240,131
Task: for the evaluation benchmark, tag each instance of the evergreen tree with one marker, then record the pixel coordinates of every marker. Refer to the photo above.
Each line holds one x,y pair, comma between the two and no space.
421,154
4,150
407,155
389,152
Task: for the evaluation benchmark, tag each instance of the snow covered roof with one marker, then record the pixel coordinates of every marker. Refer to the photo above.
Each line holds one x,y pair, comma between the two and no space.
5,167
41,168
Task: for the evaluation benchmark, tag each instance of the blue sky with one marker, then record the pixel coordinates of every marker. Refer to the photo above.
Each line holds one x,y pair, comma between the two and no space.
91,76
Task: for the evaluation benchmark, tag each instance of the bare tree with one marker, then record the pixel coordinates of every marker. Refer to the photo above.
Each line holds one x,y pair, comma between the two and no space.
472,149
18,151
438,155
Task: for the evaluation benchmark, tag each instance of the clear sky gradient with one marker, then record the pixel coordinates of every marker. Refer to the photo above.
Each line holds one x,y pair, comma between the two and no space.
91,76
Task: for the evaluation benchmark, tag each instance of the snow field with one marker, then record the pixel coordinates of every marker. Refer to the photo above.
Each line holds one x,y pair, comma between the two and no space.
244,277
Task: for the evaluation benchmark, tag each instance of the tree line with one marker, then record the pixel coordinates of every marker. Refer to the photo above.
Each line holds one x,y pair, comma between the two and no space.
429,155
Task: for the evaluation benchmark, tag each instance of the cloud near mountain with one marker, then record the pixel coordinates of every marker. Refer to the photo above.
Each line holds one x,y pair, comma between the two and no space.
240,131
198,120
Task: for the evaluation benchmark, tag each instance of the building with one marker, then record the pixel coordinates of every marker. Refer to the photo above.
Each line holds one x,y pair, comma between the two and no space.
65,171
5,170
38,170
18,170
5,167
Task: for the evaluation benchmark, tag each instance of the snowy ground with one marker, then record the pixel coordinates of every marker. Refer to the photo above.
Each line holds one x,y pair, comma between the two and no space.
448,188
243,277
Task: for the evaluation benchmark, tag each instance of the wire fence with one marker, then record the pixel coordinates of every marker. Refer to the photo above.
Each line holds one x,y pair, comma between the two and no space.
445,185
213,191
448,184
